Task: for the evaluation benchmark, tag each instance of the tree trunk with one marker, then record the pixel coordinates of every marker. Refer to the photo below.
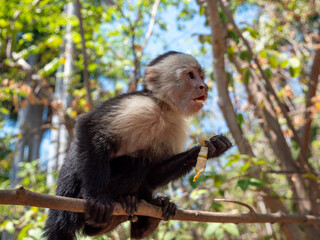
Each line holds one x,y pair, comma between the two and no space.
29,125
59,134
218,47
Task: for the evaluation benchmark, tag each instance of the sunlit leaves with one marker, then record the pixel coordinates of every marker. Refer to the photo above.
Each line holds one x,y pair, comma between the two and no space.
253,33
219,229
294,66
50,67
240,119
54,41
245,183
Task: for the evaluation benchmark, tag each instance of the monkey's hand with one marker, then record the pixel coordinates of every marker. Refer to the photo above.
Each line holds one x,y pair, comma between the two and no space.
99,210
129,204
168,208
217,145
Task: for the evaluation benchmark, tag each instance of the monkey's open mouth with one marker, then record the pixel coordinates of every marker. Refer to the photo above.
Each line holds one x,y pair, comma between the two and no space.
200,99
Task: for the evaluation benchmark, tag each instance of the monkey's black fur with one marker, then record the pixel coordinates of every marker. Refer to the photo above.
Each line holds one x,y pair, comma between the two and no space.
92,171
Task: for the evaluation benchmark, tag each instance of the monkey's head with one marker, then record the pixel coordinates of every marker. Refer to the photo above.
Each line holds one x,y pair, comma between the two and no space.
177,79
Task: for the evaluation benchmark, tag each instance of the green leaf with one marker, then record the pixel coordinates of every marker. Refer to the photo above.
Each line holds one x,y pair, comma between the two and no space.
4,110
218,180
244,55
54,41
230,51
196,193
232,229
28,37
245,167
76,37
263,54
243,184
169,236
219,233
4,23
294,72
202,10
240,119
294,62
254,34
258,183
24,231
234,36
268,72
211,228
233,158
9,226
246,76
284,63
273,62
50,67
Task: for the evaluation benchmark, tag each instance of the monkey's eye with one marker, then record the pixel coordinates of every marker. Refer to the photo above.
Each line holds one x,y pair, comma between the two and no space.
191,75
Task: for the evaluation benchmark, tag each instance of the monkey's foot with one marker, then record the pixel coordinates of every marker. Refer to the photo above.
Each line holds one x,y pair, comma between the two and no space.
99,211
217,145
168,208
129,204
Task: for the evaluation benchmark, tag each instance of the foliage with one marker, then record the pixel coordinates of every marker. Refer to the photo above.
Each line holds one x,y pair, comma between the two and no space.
283,37
20,221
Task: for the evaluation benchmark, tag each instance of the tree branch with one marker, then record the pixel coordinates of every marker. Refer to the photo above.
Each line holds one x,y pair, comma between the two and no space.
84,53
224,101
303,160
312,88
21,196
150,28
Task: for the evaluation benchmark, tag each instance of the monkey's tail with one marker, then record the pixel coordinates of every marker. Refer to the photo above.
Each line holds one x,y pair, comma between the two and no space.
61,225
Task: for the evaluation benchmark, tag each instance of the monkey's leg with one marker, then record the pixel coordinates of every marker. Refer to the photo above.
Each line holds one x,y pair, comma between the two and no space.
114,221
147,225
144,227
62,225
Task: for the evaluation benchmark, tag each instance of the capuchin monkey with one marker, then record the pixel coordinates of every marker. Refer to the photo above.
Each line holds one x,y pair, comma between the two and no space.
129,146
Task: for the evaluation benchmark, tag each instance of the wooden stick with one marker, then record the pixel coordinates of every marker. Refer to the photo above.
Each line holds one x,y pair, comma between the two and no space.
21,196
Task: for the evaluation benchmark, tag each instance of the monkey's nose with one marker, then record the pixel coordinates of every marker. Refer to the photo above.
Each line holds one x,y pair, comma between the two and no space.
203,86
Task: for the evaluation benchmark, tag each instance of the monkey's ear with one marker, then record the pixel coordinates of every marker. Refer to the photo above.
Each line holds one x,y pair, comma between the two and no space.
151,77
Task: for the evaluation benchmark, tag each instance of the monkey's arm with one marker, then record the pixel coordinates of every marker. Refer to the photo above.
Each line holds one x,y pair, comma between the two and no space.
180,164
173,168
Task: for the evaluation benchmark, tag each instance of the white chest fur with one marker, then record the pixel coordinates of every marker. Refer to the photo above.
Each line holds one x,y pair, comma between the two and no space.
143,125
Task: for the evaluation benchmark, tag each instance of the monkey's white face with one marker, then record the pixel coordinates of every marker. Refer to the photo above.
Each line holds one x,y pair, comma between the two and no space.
179,81
193,91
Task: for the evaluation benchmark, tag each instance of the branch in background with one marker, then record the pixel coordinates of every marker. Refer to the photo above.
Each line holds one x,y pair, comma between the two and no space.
150,28
290,231
303,159
312,88
220,77
84,53
15,17
46,91
21,196
134,78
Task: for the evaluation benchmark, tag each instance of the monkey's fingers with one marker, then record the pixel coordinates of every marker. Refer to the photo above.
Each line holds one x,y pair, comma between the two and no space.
129,204
211,149
170,211
168,208
226,141
221,143
99,211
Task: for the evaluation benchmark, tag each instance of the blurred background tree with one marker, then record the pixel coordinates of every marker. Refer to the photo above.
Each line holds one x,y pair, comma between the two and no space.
262,59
